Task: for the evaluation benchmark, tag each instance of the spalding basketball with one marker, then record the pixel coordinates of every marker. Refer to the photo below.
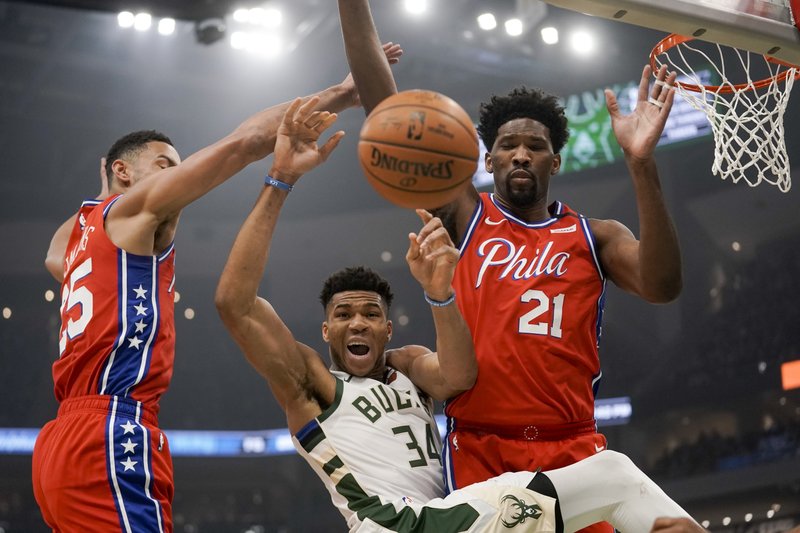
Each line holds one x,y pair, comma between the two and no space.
418,149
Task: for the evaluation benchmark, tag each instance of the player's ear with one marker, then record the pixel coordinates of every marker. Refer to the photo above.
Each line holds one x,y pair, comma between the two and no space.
556,165
388,331
120,173
325,331
487,162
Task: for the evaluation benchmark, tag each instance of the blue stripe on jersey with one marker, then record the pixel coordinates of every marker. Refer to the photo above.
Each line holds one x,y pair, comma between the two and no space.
596,386
476,217
601,301
106,208
163,255
128,463
138,316
91,202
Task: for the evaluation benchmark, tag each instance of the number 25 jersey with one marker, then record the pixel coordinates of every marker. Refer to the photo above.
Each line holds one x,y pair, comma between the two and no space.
532,296
117,324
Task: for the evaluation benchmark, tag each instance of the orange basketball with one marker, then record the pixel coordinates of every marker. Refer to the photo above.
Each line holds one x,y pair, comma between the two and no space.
418,149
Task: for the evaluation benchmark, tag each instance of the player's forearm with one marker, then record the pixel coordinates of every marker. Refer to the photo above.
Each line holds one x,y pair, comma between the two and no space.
458,366
368,63
659,249
238,285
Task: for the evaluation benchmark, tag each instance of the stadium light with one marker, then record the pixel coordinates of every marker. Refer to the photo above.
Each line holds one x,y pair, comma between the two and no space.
549,35
416,7
142,21
487,22
513,27
125,19
166,26
582,42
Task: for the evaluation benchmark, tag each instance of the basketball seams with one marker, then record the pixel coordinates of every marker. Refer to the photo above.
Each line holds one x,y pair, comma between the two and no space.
458,120
381,142
412,191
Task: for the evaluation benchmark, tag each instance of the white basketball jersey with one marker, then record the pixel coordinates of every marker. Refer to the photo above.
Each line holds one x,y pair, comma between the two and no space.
377,443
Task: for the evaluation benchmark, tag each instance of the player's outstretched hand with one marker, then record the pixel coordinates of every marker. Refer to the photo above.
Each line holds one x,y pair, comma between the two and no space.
676,525
296,149
639,132
432,257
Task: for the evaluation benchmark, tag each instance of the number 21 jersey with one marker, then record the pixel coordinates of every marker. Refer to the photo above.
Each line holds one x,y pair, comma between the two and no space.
532,295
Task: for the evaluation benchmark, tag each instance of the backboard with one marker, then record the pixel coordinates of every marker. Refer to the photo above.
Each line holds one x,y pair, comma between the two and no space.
762,26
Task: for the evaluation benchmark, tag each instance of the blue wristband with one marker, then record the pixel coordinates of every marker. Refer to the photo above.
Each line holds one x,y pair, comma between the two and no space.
440,303
269,180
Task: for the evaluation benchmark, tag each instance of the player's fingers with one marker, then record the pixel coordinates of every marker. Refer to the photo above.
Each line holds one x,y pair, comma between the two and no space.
330,145
611,103
644,83
413,247
316,118
306,109
326,122
424,215
291,111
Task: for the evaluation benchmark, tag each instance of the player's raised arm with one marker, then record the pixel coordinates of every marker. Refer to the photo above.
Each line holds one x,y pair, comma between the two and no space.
368,61
651,266
294,371
452,369
133,220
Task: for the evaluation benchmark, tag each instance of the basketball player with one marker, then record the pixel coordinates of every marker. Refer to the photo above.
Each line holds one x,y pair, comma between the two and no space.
103,464
366,429
532,273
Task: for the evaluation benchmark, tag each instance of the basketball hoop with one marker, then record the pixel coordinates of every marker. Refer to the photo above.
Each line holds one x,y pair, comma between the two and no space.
746,117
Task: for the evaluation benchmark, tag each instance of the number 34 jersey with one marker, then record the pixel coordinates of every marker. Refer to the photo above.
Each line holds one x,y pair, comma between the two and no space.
117,325
532,295
377,443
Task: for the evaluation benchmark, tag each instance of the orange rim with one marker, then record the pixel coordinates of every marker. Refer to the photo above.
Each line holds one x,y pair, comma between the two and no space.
673,40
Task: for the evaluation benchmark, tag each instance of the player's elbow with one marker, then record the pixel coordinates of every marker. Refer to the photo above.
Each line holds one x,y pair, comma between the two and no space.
54,265
665,291
228,306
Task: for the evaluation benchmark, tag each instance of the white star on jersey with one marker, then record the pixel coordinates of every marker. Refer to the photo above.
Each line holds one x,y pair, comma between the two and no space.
140,309
141,292
134,342
128,427
140,325
128,464
129,446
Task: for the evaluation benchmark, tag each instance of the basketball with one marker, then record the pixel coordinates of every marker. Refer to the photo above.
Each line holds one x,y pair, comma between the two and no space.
418,149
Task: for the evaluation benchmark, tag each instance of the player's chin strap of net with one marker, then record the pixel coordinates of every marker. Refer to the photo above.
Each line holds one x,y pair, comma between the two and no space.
746,118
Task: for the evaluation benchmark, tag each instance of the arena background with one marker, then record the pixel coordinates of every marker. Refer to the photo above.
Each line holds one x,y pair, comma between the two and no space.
709,418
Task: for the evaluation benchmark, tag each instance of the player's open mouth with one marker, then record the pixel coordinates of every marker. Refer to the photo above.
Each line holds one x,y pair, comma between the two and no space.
358,349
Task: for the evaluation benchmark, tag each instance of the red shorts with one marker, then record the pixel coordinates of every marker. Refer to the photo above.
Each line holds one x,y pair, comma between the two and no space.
103,465
470,457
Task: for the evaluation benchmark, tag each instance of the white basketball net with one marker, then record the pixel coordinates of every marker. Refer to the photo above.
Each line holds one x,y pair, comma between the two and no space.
747,121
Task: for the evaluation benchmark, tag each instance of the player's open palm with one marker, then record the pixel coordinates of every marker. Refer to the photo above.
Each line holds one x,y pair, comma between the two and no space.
432,257
296,147
638,132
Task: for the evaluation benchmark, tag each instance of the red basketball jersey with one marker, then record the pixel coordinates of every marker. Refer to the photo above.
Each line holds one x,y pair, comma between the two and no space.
117,324
532,295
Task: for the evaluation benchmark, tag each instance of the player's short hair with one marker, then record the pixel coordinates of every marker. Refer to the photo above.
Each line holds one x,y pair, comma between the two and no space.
130,146
523,103
357,278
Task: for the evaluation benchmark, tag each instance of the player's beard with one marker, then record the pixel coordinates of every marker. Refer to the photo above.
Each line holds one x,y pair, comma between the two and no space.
525,198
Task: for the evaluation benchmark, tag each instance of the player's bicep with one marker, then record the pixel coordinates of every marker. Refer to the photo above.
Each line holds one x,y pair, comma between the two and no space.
272,350
619,254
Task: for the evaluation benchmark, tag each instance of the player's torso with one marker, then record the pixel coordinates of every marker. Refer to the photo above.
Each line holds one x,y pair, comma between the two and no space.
383,434
117,333
532,295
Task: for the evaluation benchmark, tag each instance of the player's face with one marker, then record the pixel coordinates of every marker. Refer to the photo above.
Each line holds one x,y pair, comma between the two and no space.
155,157
522,161
357,331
